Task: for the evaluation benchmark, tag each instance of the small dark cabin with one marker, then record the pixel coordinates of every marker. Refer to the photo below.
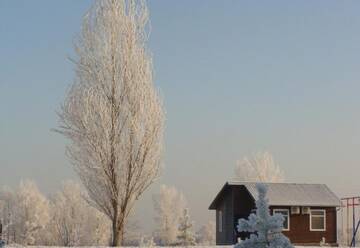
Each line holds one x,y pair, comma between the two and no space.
309,211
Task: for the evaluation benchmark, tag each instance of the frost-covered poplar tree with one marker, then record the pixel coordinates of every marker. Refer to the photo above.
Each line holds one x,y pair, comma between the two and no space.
186,236
169,205
259,168
113,114
207,235
265,229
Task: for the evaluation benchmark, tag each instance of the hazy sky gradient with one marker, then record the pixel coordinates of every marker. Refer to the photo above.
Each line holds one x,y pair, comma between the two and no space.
237,77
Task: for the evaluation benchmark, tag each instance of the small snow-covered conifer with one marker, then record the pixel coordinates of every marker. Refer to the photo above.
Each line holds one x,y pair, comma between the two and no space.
186,237
265,228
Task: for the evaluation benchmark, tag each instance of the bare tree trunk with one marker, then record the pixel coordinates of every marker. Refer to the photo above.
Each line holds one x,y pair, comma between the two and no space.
118,228
116,239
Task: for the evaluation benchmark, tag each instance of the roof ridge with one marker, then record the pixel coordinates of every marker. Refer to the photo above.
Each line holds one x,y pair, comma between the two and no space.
245,182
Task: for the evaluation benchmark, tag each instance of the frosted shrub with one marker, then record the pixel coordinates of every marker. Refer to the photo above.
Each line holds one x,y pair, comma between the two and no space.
147,242
169,206
186,237
265,229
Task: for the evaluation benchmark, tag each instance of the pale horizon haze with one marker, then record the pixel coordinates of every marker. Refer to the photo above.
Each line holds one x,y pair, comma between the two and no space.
237,77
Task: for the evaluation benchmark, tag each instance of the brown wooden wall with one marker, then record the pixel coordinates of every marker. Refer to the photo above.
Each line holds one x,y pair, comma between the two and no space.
300,228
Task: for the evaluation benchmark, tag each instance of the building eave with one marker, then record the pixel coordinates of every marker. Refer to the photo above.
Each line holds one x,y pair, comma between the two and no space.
214,203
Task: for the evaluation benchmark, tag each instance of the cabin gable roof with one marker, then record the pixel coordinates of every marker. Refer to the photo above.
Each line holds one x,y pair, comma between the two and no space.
287,194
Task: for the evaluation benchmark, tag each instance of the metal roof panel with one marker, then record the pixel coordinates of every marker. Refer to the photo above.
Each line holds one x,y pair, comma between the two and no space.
294,194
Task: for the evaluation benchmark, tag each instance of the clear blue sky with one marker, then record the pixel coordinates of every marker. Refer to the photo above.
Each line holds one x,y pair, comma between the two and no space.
237,77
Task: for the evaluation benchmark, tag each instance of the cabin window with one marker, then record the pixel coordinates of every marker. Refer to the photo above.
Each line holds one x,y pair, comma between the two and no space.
220,221
285,214
317,220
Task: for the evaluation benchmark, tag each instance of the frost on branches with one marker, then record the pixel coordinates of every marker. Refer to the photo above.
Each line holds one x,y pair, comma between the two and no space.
186,237
31,213
169,206
265,228
113,115
261,167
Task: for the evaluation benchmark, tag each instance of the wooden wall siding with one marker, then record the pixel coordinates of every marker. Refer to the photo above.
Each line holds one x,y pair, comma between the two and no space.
300,228
226,236
243,205
243,202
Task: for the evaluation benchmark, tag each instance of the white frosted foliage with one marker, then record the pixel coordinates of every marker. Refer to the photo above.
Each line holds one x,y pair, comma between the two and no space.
207,234
74,222
261,167
186,236
31,213
112,114
169,205
265,228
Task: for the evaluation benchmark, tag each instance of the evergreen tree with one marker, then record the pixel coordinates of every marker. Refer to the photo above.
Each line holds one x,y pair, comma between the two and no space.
186,237
265,228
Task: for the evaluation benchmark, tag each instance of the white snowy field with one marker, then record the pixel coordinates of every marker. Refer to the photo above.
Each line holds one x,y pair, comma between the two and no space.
198,246
161,246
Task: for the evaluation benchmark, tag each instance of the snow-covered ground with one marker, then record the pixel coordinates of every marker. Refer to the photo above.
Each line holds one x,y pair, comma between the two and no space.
161,246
